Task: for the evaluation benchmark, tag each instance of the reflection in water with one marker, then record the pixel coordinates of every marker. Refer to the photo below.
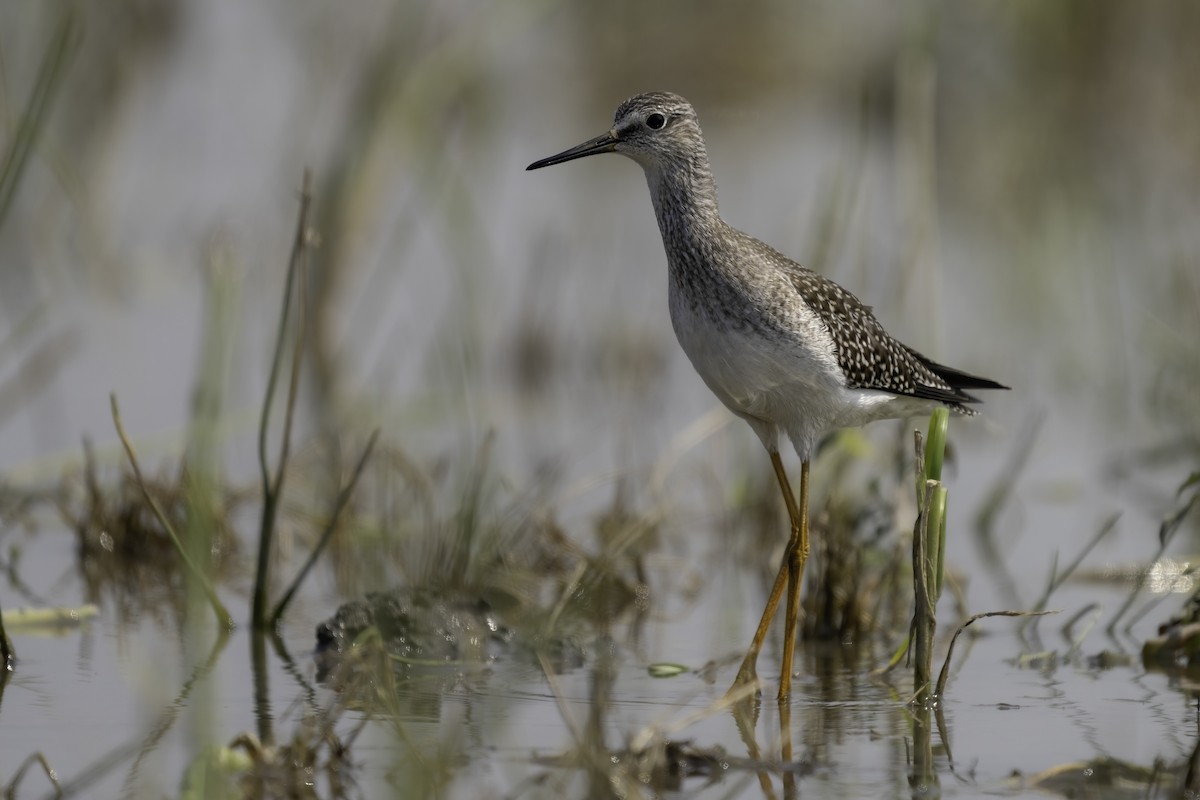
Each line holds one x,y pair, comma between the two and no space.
923,776
1047,165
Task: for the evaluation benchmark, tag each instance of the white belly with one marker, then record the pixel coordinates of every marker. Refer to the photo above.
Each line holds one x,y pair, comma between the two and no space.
791,384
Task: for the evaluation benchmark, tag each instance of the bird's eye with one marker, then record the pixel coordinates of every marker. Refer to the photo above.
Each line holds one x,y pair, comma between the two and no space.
655,121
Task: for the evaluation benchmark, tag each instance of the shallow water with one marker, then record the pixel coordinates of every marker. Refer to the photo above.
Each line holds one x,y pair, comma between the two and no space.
455,264
100,696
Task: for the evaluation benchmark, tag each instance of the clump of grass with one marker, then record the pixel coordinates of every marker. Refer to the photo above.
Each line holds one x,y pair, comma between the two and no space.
608,581
929,547
314,762
856,587
1187,497
928,561
194,569
856,583
124,548
1178,640
478,571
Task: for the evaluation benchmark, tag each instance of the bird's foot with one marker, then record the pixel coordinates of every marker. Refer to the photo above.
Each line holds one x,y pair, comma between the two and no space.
746,684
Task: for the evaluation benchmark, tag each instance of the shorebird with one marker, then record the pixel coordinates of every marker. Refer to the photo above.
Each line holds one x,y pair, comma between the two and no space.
784,348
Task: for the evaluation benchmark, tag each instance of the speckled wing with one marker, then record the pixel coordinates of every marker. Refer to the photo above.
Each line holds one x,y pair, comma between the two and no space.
868,355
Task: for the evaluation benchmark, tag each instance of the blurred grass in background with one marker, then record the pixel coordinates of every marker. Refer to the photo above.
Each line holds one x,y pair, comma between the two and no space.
1030,171
1062,156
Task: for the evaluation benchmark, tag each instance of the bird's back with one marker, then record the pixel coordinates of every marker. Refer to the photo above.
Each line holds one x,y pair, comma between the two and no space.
790,350
868,356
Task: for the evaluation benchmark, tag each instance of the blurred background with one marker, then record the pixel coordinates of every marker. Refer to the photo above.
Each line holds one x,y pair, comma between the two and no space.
1014,187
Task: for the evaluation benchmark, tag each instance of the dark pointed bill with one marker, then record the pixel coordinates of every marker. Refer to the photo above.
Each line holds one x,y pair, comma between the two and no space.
605,143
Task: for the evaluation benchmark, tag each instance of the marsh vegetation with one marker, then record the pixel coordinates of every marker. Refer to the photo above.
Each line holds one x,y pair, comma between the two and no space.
296,364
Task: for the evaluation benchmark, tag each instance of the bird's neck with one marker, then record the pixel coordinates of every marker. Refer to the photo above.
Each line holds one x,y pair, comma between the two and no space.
685,202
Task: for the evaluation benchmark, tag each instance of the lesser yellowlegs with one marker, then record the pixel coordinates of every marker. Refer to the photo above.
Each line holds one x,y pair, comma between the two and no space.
784,348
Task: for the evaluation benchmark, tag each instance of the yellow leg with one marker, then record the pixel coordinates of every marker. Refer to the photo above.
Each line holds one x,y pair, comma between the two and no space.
796,556
790,572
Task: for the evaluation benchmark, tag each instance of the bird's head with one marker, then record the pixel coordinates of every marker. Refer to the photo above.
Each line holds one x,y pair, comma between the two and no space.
654,129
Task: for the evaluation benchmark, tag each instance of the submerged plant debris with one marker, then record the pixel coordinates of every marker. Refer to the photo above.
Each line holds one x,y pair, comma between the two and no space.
537,548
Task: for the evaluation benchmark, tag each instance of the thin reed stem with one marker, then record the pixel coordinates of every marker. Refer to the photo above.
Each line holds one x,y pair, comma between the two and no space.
273,488
342,499
218,608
